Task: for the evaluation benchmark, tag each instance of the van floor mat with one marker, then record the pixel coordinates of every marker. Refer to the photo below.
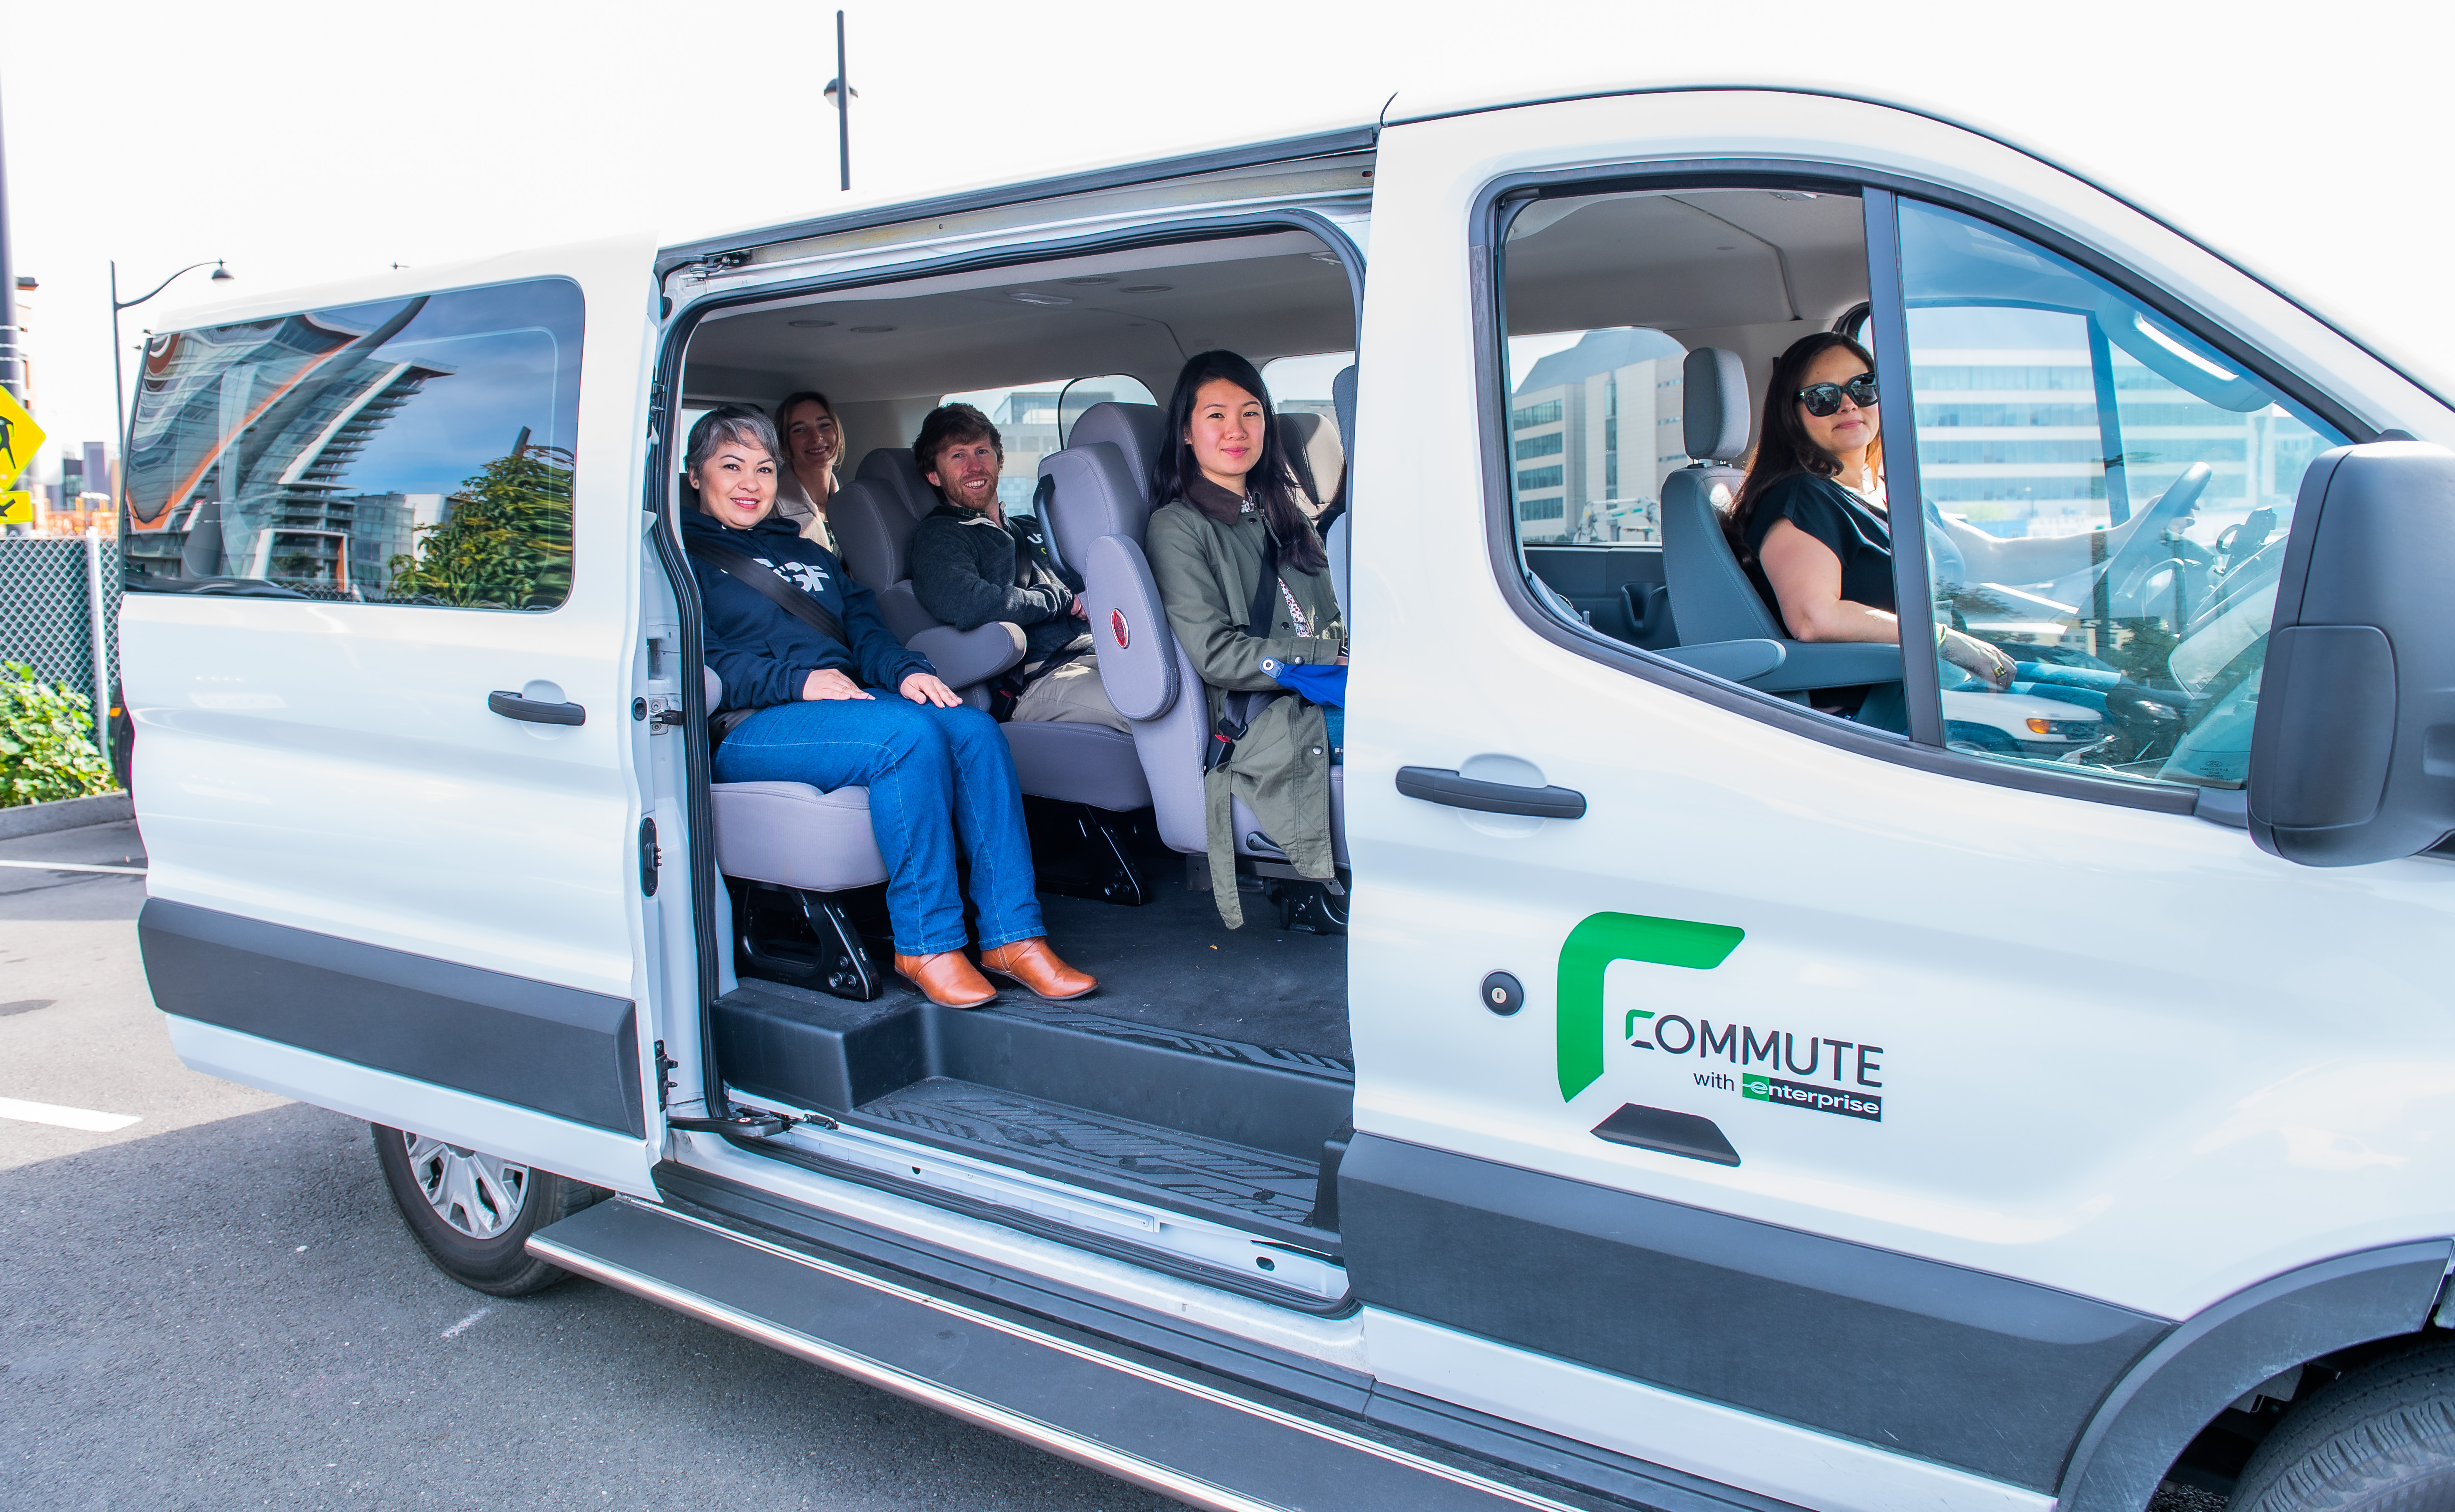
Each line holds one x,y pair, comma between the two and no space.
1119,1152
1171,963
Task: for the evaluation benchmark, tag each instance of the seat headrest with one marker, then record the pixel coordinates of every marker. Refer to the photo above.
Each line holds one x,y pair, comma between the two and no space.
871,527
1715,390
1137,431
892,468
1311,442
1094,495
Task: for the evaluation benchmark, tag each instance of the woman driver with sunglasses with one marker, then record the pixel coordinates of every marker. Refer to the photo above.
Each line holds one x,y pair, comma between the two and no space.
1811,524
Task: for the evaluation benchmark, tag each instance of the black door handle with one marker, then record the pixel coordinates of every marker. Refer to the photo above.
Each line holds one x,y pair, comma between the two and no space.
511,705
1438,784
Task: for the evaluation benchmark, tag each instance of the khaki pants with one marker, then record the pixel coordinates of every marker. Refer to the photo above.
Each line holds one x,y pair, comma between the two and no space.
1071,695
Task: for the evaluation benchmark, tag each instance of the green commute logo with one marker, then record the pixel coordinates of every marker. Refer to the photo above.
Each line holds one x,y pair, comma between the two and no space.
1582,1029
1591,947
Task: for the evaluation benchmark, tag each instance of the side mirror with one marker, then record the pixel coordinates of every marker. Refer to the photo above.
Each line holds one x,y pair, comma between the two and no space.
2353,749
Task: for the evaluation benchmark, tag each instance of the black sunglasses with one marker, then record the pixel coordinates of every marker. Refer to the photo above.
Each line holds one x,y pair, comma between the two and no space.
1825,399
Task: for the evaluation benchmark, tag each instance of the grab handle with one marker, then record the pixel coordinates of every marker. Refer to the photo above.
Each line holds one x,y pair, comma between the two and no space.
511,705
1439,784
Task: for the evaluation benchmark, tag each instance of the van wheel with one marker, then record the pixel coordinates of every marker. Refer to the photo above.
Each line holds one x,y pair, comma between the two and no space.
474,1213
2380,1440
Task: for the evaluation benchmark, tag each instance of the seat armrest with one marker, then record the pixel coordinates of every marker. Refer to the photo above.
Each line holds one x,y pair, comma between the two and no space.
901,609
1738,660
966,657
1830,664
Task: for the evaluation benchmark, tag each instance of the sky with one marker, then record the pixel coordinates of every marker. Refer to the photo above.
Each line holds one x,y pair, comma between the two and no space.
304,143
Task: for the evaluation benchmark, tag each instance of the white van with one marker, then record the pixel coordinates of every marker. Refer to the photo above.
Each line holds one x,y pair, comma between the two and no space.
1687,1096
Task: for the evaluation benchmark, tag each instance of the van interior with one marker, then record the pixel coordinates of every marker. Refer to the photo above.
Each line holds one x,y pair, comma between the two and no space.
1192,1113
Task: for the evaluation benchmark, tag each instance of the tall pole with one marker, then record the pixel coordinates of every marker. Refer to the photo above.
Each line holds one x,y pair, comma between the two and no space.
843,116
12,354
118,391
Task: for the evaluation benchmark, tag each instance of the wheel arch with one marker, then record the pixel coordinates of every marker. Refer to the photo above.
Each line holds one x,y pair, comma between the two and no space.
2209,1360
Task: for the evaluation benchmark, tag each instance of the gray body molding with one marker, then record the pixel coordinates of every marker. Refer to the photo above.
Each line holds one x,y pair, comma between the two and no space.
557,1050
2163,1402
1995,1375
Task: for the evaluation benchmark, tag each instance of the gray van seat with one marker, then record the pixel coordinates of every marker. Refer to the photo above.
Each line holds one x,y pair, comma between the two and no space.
1725,628
873,524
1313,441
1099,510
893,469
1081,763
792,835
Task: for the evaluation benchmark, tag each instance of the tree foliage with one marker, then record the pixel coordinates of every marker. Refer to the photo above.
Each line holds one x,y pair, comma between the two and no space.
505,545
45,741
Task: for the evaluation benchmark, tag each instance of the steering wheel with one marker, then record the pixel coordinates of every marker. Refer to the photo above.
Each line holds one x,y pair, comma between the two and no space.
2146,550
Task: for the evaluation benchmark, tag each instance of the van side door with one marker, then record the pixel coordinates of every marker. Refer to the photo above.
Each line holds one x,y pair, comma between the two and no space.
382,553
1895,1076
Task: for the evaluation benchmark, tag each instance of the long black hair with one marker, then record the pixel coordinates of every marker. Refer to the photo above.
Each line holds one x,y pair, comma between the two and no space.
1272,482
1783,447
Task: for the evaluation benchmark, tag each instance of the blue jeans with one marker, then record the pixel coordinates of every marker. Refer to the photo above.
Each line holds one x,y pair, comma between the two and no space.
933,774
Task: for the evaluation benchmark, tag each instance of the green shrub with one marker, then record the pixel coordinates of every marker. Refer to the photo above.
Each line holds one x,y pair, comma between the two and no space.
45,741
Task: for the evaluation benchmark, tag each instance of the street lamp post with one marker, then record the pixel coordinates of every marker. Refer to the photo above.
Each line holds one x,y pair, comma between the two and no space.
840,95
118,388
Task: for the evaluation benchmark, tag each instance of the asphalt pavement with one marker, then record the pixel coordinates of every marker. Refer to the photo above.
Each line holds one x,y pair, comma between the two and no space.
217,1305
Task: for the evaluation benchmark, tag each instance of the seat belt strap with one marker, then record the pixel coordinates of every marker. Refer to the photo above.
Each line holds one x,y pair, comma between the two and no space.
756,576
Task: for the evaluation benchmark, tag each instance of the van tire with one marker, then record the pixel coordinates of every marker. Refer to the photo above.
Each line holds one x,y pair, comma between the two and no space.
2380,1440
500,1264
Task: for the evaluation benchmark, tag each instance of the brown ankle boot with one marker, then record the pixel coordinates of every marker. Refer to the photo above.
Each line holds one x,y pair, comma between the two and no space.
947,980
1033,966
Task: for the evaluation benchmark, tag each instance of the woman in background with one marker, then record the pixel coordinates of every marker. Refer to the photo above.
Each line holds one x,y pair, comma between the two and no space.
813,447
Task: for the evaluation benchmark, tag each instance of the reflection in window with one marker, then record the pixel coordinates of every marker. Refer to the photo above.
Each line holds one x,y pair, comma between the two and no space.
2107,505
415,451
1606,403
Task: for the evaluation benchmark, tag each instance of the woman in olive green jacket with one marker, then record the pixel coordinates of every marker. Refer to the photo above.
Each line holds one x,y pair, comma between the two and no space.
1230,506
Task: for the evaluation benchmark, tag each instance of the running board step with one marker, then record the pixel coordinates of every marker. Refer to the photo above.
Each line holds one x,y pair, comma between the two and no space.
1202,1443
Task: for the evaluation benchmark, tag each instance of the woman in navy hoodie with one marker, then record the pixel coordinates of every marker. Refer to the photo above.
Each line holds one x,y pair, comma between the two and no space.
804,706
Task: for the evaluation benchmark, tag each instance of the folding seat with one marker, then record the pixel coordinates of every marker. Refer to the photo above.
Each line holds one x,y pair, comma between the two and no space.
1099,505
788,850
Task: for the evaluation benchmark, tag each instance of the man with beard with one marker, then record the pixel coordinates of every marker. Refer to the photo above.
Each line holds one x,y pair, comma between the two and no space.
970,569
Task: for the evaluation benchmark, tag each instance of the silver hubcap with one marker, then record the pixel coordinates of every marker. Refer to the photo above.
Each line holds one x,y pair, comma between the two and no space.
479,1195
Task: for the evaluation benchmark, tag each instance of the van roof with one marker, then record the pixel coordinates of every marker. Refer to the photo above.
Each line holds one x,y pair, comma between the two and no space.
991,196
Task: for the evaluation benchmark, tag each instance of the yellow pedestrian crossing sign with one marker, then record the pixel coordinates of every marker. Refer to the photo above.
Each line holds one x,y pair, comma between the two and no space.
17,508
21,440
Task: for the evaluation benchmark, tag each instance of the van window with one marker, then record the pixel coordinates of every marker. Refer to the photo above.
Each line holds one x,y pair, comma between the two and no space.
1033,420
2107,501
413,451
1303,383
1593,428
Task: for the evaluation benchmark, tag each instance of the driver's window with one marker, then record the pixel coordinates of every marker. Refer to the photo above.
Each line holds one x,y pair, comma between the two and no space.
2107,501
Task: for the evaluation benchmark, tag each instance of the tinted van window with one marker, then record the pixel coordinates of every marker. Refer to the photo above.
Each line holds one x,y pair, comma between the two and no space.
413,451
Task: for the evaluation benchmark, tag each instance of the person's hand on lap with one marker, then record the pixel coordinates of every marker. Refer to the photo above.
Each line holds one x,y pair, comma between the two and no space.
829,683
927,687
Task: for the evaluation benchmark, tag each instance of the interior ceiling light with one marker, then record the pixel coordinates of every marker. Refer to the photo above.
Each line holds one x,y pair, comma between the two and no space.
1035,296
1088,278
870,330
810,325
1323,256
1146,288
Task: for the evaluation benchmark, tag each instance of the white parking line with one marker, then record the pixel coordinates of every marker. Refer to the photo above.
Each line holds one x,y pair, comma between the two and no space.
72,865
462,1326
65,1117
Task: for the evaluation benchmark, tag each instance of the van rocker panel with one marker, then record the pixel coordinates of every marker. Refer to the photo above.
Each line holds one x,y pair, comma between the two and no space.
557,1050
1209,1443
1910,1355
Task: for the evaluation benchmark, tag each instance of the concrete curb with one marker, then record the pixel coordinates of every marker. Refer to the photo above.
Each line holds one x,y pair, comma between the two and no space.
68,813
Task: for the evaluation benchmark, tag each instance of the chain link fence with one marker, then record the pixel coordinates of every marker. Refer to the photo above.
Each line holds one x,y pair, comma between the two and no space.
44,612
